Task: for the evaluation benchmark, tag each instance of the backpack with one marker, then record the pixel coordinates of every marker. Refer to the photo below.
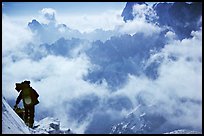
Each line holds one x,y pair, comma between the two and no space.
30,96
35,96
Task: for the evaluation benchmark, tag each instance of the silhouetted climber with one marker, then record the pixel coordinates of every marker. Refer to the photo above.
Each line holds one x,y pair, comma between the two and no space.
30,99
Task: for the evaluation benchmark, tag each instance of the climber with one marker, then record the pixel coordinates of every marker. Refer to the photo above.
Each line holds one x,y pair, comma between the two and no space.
30,99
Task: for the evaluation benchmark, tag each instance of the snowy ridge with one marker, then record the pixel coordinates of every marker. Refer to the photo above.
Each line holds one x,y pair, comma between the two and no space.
183,131
11,122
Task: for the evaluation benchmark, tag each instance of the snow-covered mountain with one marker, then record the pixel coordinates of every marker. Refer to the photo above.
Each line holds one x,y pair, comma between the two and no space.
142,120
127,57
180,16
13,124
127,11
50,33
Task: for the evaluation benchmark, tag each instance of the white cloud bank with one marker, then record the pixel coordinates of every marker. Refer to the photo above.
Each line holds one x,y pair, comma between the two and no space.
14,36
48,14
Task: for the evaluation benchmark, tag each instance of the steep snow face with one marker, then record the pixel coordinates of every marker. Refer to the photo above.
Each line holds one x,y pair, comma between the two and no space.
11,122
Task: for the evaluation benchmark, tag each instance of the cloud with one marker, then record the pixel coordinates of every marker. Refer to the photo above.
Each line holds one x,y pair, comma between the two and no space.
49,14
139,26
69,72
144,12
109,23
15,38
106,20
84,26
178,89
95,27
59,82
15,35
142,21
170,35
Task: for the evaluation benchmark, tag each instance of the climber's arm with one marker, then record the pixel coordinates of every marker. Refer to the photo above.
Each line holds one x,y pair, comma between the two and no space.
19,98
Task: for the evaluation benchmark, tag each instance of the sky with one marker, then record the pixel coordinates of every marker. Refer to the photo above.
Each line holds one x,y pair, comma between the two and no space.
26,8
95,67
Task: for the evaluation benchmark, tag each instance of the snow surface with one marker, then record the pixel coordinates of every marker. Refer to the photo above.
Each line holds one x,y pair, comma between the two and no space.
11,122
50,125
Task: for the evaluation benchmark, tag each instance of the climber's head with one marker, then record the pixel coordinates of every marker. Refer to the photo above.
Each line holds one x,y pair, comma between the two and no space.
26,82
20,86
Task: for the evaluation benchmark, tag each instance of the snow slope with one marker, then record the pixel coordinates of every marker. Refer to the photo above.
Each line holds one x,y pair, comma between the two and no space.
11,122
